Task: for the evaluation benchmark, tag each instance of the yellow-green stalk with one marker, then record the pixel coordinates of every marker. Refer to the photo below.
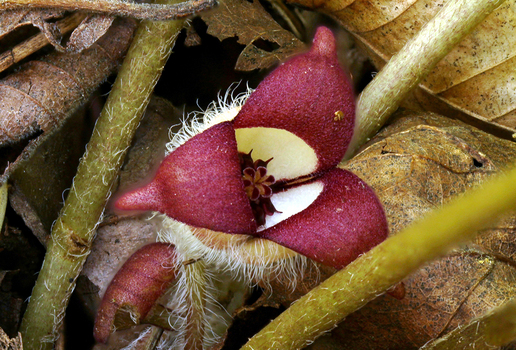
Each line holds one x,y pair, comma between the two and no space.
73,231
413,63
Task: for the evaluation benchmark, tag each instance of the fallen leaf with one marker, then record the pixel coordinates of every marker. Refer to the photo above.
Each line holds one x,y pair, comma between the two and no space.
10,343
88,32
253,26
13,19
44,92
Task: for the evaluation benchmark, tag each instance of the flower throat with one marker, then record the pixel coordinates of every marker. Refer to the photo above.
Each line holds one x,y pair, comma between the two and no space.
258,186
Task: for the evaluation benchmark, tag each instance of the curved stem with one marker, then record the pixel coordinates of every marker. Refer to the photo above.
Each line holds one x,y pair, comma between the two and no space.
413,63
73,231
386,264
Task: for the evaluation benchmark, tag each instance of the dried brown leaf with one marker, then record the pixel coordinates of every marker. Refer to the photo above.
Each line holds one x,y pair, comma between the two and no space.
88,32
42,93
10,343
474,81
252,24
13,19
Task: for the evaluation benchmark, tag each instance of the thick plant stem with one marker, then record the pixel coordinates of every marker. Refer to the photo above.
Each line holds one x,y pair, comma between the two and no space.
495,329
73,231
386,264
413,63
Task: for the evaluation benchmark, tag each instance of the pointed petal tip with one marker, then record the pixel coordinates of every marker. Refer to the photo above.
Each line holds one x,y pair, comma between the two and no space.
324,43
141,199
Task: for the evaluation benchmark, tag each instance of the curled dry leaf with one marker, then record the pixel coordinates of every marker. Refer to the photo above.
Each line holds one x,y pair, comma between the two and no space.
88,32
44,92
251,23
13,19
473,82
415,165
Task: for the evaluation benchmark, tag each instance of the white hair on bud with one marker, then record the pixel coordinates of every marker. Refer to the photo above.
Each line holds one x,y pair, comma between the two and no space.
224,109
207,271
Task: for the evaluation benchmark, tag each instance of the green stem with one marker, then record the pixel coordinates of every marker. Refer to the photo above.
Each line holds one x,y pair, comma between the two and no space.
495,329
413,63
73,231
386,264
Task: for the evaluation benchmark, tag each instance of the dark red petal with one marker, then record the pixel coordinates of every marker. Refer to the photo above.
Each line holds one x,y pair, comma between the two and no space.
344,221
144,277
303,96
200,184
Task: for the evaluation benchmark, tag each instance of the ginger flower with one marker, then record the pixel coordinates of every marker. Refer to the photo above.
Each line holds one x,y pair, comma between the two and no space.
270,173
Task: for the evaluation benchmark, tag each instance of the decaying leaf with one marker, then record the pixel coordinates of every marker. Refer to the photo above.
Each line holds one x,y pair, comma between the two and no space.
88,32
10,343
252,24
13,19
44,92
474,81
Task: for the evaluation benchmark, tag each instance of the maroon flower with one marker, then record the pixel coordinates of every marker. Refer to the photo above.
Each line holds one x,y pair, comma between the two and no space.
272,171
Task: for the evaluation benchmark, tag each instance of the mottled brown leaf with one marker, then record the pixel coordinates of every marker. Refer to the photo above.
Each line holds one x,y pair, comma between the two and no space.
44,92
13,19
474,81
88,32
10,343
252,25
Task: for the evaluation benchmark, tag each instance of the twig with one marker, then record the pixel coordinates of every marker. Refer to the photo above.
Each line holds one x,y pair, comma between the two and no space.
36,42
386,264
117,7
413,63
73,231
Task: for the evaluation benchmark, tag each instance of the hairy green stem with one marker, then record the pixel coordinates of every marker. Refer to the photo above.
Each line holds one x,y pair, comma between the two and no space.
386,264
497,328
73,231
413,63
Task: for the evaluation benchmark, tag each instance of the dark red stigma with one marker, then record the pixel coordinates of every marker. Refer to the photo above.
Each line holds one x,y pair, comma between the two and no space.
258,186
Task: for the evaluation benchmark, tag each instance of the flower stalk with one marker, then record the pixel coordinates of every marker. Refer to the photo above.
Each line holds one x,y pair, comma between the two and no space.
413,63
73,231
388,263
